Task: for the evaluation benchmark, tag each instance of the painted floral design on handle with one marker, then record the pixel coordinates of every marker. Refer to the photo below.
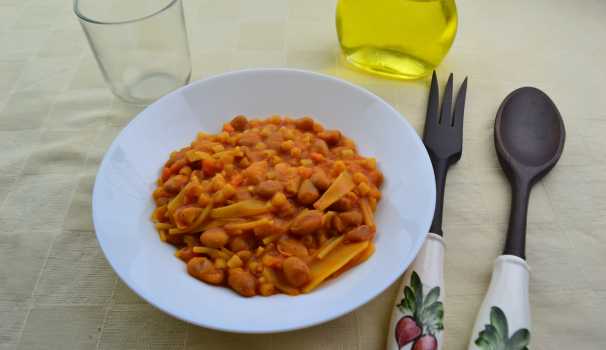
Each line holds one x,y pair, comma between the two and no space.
424,316
496,334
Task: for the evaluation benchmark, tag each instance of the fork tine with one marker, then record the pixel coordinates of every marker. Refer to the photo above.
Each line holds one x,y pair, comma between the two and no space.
457,121
447,103
433,106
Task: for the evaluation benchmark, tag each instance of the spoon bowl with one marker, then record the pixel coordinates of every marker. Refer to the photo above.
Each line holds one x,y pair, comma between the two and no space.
529,139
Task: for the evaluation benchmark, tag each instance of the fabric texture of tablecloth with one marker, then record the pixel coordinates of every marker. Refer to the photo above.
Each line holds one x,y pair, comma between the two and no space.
57,120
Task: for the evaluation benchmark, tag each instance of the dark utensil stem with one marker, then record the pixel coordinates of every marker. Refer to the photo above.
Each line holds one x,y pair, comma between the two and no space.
440,169
516,232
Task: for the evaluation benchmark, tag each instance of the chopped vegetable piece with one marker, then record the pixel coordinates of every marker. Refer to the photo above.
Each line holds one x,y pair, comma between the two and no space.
234,262
196,223
174,204
206,156
362,257
275,236
213,253
332,245
269,273
242,209
339,188
322,268
366,212
247,225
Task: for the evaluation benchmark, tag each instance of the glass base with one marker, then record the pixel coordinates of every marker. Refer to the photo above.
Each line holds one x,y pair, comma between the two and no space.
151,88
388,63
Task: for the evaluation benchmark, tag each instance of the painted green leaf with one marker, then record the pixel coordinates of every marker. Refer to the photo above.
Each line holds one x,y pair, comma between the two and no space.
490,337
415,283
495,336
492,328
435,311
419,303
417,288
433,316
410,305
405,307
435,327
483,344
499,321
519,340
409,300
432,297
409,293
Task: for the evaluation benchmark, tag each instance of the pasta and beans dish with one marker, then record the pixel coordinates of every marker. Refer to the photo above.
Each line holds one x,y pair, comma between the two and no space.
267,207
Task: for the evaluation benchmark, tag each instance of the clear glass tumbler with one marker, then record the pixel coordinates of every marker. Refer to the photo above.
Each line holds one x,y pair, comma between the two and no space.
140,45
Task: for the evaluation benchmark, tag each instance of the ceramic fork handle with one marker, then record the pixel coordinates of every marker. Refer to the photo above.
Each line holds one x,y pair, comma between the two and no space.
504,317
417,320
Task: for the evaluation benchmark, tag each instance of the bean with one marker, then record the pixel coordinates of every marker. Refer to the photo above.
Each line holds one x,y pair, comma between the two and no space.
351,218
296,271
239,123
308,193
359,234
305,123
332,137
187,254
376,177
245,255
242,194
175,184
308,222
242,282
292,247
203,269
250,140
320,179
214,238
177,157
320,146
338,224
238,244
342,204
175,239
267,189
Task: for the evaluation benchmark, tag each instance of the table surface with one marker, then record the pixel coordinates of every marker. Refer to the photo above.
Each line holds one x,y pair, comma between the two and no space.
57,119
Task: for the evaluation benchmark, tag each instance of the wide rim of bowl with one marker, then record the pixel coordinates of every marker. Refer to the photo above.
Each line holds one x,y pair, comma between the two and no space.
388,282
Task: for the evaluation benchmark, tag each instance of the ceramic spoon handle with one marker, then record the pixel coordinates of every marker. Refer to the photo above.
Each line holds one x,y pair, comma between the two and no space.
418,316
504,317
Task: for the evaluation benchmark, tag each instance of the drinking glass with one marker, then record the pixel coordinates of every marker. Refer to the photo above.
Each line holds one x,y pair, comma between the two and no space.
140,46
399,38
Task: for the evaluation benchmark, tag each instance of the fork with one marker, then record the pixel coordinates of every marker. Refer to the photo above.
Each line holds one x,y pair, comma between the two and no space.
418,319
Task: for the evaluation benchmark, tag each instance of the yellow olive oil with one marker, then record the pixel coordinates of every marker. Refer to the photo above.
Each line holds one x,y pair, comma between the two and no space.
399,38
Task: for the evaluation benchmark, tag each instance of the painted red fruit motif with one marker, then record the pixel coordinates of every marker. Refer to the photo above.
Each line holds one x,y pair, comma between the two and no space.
407,330
426,342
423,316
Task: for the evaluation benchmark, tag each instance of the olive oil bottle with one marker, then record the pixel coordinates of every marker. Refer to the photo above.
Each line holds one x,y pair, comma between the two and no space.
399,38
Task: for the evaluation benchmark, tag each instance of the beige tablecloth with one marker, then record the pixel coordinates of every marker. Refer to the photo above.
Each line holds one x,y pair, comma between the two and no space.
57,119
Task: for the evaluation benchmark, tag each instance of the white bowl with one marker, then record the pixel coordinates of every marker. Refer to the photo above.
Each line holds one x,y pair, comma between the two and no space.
122,201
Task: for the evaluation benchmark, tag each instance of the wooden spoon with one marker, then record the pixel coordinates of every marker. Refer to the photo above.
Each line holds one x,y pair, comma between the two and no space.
529,138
